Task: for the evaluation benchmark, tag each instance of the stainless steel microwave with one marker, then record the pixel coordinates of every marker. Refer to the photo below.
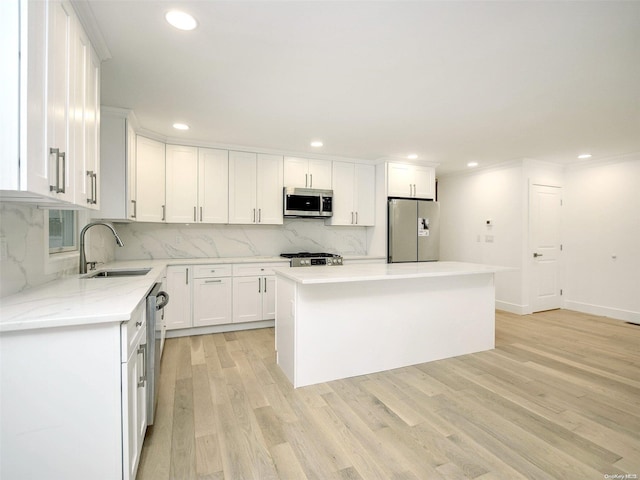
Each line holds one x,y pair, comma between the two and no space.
308,202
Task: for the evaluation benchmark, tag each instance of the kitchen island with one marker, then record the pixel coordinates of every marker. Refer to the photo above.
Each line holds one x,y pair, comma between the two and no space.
335,322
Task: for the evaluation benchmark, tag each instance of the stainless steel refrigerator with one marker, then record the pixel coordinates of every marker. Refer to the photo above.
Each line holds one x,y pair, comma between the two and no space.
413,230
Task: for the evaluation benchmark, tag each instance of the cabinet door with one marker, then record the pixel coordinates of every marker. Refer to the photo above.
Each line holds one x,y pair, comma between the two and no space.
320,174
365,194
59,81
134,406
400,180
212,301
424,180
247,299
182,184
178,310
213,185
343,194
269,194
131,198
92,129
269,297
242,187
296,172
150,180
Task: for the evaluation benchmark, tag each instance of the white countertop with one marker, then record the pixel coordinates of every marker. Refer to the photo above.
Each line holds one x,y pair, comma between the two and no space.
392,271
76,300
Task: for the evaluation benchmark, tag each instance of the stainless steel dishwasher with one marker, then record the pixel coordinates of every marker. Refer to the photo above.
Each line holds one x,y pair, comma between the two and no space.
156,301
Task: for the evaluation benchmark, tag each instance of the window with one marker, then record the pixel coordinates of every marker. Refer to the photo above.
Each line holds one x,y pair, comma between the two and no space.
62,231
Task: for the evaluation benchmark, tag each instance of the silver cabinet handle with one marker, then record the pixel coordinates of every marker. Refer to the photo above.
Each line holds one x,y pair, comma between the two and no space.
186,276
259,285
311,180
213,281
194,214
200,213
164,212
254,215
306,180
265,284
259,215
135,209
59,156
142,350
536,255
95,188
356,218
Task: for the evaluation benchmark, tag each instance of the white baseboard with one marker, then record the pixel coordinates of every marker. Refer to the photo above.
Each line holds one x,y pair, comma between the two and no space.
512,307
227,327
616,313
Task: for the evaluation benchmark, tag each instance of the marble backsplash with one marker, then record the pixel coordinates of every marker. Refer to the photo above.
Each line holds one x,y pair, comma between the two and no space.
23,257
155,240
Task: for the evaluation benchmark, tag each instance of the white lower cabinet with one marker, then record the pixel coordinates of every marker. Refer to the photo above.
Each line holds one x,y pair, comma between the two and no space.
178,310
220,294
254,288
212,295
77,408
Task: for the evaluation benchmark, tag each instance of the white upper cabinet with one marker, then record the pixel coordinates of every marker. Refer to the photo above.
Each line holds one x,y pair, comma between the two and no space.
353,194
307,173
255,188
411,181
213,185
117,185
150,180
53,101
182,184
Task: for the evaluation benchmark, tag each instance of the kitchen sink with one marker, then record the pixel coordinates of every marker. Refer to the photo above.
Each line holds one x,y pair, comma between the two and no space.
138,272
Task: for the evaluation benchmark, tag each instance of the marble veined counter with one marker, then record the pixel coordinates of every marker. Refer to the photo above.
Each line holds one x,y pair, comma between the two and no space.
77,300
387,271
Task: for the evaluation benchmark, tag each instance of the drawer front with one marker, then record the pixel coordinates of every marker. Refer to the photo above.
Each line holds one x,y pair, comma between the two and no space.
256,269
209,271
133,329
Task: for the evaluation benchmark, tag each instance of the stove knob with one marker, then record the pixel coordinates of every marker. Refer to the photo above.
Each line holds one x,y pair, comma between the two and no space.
340,261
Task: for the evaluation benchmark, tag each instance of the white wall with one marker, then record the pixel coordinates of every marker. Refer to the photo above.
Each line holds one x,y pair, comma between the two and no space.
156,240
467,201
22,232
602,221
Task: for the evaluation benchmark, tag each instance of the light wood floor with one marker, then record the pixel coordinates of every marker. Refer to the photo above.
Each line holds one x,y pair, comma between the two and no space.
559,398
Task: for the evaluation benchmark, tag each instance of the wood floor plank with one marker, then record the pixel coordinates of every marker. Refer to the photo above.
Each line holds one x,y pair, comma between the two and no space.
559,397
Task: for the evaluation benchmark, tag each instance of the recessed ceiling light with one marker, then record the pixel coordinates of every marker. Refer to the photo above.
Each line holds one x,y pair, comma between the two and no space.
472,164
180,126
316,143
181,20
412,156
584,155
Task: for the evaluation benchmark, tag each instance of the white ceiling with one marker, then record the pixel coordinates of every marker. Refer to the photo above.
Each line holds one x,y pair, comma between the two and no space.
450,81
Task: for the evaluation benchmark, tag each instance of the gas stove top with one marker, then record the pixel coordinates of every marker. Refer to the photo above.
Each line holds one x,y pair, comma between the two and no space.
309,259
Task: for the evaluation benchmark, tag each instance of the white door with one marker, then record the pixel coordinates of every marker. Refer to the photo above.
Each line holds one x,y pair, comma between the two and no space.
213,185
211,301
247,299
242,187
320,174
365,194
150,178
296,172
269,297
544,232
400,180
182,184
424,182
269,195
178,310
343,194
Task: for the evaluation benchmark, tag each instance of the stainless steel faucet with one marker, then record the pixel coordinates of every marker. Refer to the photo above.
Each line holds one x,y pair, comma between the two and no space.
83,257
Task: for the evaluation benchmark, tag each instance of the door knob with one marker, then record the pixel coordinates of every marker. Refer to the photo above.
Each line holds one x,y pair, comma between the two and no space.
536,255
